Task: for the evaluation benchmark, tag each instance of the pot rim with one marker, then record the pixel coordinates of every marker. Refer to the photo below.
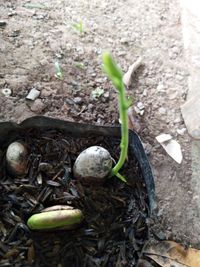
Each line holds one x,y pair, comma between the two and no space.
78,129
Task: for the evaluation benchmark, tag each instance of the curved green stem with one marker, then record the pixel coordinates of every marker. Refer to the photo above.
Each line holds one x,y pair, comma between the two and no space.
124,132
116,76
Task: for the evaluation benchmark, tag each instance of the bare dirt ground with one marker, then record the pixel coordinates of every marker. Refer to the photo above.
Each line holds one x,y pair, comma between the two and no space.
33,37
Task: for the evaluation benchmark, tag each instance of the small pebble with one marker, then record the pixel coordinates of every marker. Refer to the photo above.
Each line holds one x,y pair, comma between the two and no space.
33,94
137,110
121,53
90,107
181,131
38,106
160,88
162,111
173,95
124,41
161,235
12,13
196,133
99,80
106,94
45,167
175,50
48,92
15,33
58,55
2,24
147,148
80,50
179,77
78,100
40,16
144,92
140,105
6,92
177,120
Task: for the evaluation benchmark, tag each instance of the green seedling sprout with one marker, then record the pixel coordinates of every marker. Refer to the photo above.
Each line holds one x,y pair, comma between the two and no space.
78,27
59,74
116,76
79,65
65,217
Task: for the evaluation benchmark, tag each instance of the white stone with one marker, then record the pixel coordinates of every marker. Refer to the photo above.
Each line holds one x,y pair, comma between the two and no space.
6,92
162,111
144,92
163,138
33,94
160,88
140,105
181,131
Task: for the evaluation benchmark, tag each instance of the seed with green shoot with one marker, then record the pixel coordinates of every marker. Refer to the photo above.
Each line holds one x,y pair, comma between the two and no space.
93,165
116,76
58,217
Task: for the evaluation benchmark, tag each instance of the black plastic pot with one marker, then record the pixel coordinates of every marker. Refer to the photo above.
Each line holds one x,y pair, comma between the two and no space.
9,131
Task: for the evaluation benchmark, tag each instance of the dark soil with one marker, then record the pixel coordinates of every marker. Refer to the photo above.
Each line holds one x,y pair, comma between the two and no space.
114,229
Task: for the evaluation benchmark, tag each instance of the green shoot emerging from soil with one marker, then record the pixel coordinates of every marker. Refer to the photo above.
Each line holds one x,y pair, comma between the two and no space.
78,27
59,74
116,76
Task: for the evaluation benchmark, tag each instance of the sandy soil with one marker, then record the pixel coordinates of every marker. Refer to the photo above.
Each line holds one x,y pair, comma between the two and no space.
35,36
